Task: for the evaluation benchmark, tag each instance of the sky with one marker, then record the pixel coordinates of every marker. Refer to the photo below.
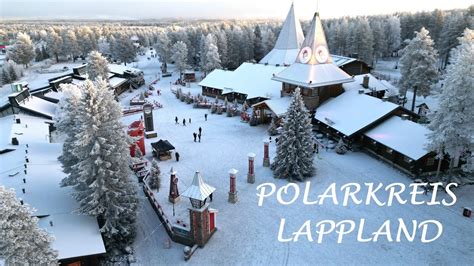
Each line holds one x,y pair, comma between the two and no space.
213,9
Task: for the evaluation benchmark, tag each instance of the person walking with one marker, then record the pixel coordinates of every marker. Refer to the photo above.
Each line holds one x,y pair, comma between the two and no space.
189,120
184,121
200,130
205,117
176,120
194,135
199,136
177,156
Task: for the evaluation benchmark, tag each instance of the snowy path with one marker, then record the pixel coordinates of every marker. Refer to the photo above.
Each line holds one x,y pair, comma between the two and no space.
247,234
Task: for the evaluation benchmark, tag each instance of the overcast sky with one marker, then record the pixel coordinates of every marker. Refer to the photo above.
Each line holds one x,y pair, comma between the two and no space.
157,9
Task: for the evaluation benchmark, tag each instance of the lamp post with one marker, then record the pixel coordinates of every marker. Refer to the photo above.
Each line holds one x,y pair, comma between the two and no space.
251,173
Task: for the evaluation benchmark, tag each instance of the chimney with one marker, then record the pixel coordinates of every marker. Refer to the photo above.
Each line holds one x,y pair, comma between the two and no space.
405,117
15,141
361,91
365,82
18,121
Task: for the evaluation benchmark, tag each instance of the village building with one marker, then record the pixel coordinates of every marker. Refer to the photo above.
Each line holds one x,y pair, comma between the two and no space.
26,154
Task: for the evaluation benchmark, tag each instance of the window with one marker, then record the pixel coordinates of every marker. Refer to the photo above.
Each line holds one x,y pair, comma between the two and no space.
430,161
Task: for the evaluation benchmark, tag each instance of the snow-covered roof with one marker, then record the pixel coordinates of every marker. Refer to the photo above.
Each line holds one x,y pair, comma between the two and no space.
30,130
350,112
75,235
311,76
374,83
340,60
40,106
288,43
116,81
404,136
120,69
57,95
217,79
278,106
199,189
255,80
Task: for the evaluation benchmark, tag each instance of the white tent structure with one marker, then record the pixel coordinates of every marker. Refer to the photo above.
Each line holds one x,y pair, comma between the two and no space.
288,43
314,66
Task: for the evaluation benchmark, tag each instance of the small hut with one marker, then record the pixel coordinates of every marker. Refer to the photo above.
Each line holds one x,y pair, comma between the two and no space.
189,76
162,149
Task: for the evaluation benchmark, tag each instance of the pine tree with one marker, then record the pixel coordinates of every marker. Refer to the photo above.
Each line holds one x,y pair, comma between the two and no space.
180,56
124,49
163,47
67,124
103,187
22,242
418,65
12,73
97,66
23,50
213,60
392,35
294,159
258,50
453,122
154,180
5,77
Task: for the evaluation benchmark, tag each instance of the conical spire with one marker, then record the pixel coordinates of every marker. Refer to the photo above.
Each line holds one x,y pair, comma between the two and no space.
288,43
291,34
199,189
315,48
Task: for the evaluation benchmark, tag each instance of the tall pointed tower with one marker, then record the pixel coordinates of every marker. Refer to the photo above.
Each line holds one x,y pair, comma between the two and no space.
313,70
288,43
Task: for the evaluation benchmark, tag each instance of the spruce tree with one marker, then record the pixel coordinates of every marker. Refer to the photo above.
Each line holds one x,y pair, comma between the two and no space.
180,56
294,158
97,66
103,187
22,242
5,77
67,124
452,124
418,65
154,180
12,73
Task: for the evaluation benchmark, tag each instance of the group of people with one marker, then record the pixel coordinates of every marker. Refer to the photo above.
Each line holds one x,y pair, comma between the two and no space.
197,135
184,121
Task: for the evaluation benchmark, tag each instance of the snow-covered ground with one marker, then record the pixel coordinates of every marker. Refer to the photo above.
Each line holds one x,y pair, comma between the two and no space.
247,233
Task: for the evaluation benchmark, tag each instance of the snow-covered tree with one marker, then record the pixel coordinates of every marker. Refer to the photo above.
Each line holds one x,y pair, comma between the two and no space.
66,123
12,72
86,39
154,179
22,242
124,49
452,28
163,47
70,45
294,158
23,50
258,49
54,44
453,123
180,56
97,66
418,65
392,35
211,59
103,186
6,79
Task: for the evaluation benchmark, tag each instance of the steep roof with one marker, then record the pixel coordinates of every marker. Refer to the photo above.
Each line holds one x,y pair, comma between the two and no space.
288,43
199,189
314,66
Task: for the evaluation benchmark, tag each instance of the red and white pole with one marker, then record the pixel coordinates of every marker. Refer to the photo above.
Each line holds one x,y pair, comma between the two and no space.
174,193
266,157
251,173
233,192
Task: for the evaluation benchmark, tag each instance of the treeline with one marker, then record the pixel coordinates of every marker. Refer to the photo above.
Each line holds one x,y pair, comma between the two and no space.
367,38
